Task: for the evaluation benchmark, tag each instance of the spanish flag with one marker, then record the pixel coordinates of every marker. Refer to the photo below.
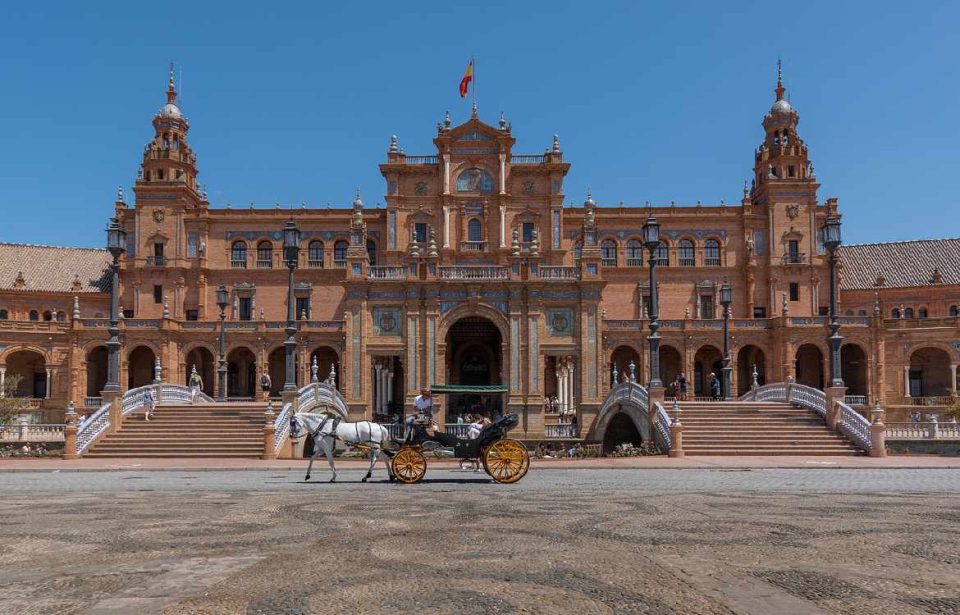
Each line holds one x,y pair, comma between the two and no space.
467,78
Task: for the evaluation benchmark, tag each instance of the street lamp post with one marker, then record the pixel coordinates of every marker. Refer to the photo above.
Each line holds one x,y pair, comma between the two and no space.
291,254
222,301
116,241
726,298
651,237
831,241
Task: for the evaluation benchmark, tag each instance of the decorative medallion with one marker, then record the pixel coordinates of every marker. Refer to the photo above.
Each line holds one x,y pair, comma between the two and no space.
158,215
421,189
527,187
386,320
560,321
793,210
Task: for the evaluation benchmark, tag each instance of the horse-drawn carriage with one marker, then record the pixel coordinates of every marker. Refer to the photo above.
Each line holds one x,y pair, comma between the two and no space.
504,459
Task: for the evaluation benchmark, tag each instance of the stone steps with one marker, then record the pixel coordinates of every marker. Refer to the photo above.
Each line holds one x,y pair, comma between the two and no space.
232,430
751,428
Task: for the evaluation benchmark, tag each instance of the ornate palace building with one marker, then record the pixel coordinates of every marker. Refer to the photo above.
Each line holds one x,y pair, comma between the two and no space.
475,280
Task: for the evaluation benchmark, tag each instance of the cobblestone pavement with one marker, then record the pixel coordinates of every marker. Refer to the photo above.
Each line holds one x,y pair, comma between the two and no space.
560,541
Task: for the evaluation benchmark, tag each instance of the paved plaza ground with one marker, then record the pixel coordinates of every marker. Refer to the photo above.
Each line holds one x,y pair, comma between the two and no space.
563,540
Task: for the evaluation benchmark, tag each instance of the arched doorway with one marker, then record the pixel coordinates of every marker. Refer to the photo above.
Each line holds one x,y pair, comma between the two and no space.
241,373
26,374
750,356
97,360
930,373
140,367
277,368
473,357
853,366
202,358
671,364
622,357
708,360
620,430
809,366
326,357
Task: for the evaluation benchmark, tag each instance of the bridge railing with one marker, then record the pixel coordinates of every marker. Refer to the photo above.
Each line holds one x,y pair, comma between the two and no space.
31,432
662,428
92,428
854,425
931,430
310,397
790,392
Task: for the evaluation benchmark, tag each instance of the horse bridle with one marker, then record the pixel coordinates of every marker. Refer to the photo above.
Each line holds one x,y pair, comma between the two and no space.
295,427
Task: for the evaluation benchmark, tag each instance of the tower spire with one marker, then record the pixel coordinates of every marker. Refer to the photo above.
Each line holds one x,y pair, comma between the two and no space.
171,88
780,89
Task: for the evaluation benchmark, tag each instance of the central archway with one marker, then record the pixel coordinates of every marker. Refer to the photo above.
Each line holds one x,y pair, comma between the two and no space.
474,358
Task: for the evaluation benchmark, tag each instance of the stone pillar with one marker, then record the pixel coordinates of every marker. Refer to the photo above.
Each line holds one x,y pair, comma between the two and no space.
70,433
446,173
558,372
269,430
47,386
389,386
906,379
3,381
561,383
446,226
676,433
572,386
953,377
503,226
878,433
503,173
377,388
834,394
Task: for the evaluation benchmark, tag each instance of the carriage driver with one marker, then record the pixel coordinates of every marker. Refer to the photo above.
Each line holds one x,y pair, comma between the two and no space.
424,403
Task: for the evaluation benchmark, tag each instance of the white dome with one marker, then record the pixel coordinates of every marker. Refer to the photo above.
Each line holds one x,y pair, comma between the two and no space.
781,106
170,110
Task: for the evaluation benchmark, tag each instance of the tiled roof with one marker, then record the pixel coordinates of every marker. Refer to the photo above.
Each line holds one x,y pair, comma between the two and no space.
53,269
900,264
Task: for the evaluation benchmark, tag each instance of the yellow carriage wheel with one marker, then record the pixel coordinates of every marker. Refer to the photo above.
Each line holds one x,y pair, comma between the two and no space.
506,460
408,465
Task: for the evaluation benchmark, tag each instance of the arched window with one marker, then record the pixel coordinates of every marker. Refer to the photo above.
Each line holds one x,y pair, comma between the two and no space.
895,313
315,254
34,315
475,180
47,316
608,253
922,312
264,255
711,253
4,314
372,252
954,311
340,254
61,317
634,253
662,255
474,230
238,255
908,313
687,253
577,251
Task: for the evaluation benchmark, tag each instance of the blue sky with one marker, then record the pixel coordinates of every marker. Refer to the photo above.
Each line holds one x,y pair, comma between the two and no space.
296,102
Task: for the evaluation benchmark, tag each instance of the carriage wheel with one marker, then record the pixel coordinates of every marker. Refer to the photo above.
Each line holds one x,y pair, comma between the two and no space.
506,461
408,465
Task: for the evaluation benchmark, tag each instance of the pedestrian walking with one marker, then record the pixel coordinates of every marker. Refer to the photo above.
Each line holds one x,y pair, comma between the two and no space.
265,385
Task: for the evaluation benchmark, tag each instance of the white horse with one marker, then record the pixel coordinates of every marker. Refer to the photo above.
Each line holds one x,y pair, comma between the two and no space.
326,430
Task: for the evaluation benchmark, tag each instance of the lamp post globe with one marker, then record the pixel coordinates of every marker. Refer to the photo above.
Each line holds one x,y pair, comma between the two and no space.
651,238
830,233
222,302
291,254
726,298
116,245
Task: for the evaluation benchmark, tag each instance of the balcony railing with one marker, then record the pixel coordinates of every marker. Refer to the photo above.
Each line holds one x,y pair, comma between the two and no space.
923,431
264,263
550,272
92,402
473,246
381,272
315,264
156,261
634,262
608,262
473,273
31,433
711,262
527,159
793,259
856,400
422,160
340,264
561,431
234,264
930,400
687,262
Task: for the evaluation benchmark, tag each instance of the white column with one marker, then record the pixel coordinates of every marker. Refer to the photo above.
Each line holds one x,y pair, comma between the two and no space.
446,173
571,382
503,226
383,389
503,173
906,381
446,226
377,392
559,375
3,381
389,386
953,377
49,382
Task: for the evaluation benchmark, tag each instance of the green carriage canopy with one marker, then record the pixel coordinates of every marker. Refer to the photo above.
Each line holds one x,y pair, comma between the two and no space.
466,388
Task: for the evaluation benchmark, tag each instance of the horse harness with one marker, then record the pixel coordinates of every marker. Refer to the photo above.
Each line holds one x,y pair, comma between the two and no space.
333,434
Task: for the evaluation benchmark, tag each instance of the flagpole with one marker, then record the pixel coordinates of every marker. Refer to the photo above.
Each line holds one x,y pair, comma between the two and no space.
473,62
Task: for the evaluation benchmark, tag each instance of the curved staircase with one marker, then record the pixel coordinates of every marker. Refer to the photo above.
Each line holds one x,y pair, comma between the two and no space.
757,428
202,430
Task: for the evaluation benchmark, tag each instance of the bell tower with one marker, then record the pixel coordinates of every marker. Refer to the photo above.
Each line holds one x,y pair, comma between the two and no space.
782,157
169,163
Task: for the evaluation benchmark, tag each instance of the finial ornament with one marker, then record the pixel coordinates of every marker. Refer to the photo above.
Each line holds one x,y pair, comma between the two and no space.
446,120
503,122
170,82
876,303
120,193
556,144
780,89
393,144
314,369
473,111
